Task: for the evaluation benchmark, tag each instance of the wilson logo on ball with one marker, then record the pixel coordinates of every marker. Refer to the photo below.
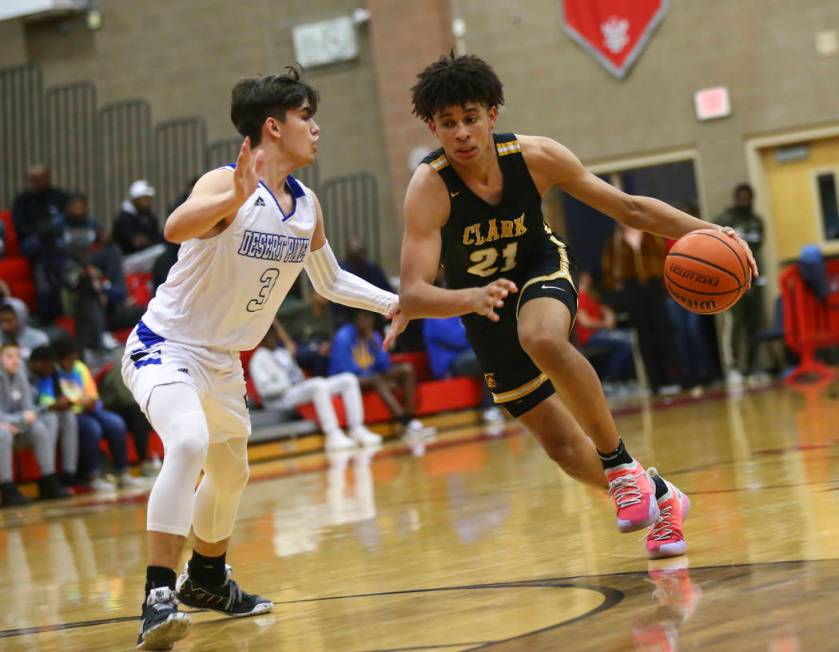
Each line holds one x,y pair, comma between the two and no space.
706,271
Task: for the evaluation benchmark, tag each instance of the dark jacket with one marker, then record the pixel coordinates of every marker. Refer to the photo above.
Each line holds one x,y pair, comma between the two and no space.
131,222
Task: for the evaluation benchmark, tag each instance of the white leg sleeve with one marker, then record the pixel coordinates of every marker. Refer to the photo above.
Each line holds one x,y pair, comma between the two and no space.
347,385
176,415
217,499
317,391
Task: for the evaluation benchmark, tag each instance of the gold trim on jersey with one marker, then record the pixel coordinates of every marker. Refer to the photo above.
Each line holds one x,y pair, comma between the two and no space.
439,163
564,270
521,391
510,147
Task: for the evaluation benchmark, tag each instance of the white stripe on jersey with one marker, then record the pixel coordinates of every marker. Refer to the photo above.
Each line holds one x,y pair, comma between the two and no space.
223,292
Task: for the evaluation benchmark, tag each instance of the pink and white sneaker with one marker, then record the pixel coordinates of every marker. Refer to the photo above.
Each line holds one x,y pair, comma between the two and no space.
634,494
665,538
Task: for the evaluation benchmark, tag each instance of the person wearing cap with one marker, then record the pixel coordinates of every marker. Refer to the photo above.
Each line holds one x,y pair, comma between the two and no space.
137,227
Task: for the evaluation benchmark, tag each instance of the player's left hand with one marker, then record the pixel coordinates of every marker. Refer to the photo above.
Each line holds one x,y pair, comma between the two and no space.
398,323
731,233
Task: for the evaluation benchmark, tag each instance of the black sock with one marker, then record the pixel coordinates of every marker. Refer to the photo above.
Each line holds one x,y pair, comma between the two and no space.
660,487
209,571
157,576
616,457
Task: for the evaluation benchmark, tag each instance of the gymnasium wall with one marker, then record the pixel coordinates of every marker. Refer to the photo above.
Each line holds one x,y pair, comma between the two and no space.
184,56
764,51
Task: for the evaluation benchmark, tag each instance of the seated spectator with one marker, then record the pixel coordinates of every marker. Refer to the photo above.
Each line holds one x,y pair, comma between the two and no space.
281,384
357,262
136,226
315,331
57,408
595,326
36,215
357,349
79,231
14,318
117,398
450,354
36,212
21,426
93,420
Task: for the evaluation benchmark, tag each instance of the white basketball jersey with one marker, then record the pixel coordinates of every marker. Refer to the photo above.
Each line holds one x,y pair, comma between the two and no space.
224,291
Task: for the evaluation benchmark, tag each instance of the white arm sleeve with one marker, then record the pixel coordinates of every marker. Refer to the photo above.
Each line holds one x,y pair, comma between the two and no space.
338,285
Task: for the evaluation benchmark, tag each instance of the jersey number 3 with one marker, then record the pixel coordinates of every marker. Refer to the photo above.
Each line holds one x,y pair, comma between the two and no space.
268,279
485,260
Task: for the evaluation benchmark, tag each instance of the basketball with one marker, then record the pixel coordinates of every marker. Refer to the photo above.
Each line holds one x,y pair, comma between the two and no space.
706,271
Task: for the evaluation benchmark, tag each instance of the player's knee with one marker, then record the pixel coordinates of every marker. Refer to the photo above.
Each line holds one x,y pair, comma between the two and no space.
190,440
541,344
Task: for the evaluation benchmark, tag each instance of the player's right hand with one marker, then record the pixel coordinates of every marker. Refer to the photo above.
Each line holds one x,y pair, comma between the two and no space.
490,298
248,172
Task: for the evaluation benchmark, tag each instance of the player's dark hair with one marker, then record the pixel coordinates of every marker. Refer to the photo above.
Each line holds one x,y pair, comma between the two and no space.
8,307
254,99
455,80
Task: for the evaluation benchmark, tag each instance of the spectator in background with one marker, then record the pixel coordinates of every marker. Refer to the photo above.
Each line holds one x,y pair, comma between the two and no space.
633,265
281,385
36,212
136,227
6,297
79,231
21,426
315,330
94,421
58,408
36,215
596,326
744,318
14,327
357,348
357,262
450,354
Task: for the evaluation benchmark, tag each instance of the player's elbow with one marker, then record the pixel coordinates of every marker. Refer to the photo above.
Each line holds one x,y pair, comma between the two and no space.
173,231
409,300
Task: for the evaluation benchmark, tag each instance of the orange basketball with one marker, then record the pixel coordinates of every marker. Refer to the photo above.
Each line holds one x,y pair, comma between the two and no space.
706,271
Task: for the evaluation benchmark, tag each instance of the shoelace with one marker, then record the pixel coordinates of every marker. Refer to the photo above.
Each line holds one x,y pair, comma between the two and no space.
625,490
663,528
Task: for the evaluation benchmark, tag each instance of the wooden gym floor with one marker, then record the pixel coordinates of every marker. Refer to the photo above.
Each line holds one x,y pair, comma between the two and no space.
480,543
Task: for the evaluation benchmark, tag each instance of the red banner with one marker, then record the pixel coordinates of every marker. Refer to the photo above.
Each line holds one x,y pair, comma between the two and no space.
614,31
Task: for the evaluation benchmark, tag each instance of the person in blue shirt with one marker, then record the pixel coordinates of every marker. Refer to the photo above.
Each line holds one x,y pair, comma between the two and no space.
450,355
357,348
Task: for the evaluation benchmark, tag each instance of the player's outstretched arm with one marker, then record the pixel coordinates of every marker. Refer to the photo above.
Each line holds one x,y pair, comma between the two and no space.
215,199
340,286
426,211
552,164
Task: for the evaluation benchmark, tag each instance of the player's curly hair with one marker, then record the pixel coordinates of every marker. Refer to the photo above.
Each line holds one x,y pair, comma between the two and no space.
455,80
256,98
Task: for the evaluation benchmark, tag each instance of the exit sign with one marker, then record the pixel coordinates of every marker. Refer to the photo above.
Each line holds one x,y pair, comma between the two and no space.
712,103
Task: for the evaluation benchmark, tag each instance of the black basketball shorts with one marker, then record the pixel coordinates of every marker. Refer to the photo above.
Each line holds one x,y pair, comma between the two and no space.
515,382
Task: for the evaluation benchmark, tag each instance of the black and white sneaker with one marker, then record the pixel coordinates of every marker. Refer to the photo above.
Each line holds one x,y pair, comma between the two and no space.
162,623
226,598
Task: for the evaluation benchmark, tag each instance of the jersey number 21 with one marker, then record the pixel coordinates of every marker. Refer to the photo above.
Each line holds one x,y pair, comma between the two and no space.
485,260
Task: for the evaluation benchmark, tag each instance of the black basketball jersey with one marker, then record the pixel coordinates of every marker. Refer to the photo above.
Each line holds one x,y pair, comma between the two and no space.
483,242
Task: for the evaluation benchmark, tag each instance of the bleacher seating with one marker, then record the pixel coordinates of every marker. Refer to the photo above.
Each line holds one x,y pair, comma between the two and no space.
14,268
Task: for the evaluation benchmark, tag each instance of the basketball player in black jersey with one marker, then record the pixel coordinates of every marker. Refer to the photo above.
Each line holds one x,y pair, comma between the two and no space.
474,205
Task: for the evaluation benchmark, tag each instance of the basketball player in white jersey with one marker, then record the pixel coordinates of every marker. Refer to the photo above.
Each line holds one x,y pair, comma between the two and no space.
246,231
